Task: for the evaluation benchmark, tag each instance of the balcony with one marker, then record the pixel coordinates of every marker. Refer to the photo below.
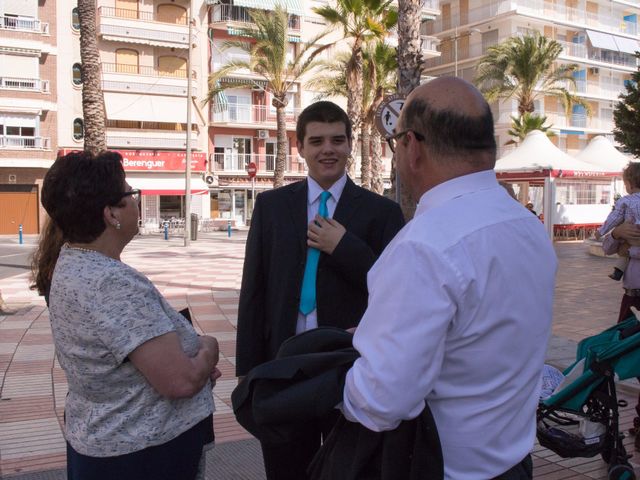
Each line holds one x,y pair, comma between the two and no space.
237,163
23,24
26,84
579,121
131,26
229,15
169,141
15,142
582,51
118,77
543,9
429,46
245,114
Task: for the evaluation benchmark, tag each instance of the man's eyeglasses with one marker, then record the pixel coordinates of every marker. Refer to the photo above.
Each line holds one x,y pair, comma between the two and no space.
391,139
134,192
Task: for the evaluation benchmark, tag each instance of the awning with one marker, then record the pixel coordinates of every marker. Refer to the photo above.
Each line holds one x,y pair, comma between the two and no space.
155,43
252,81
147,108
602,40
626,45
167,185
293,6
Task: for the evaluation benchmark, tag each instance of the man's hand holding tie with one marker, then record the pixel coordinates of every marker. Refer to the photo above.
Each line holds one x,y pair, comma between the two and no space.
324,234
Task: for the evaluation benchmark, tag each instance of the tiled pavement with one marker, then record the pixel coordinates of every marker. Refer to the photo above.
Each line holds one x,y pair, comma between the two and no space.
206,277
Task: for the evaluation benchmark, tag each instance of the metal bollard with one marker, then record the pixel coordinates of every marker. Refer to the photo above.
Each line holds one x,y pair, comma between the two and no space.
229,229
166,230
20,234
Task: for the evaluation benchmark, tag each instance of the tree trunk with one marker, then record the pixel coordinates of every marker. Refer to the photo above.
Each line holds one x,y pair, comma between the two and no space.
409,70
280,102
365,156
377,185
354,100
93,110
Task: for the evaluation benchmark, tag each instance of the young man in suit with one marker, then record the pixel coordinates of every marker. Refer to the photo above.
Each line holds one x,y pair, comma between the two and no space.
283,293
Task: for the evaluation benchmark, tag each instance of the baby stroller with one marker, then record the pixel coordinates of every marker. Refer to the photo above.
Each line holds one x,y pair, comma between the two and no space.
580,419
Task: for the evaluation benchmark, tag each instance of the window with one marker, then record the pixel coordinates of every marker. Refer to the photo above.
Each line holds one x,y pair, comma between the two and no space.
168,13
126,61
582,193
77,74
171,66
75,19
78,129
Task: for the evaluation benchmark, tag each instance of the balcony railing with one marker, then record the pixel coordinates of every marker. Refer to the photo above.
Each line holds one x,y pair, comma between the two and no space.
251,114
138,15
18,142
237,162
579,121
139,87
148,142
142,70
31,84
27,24
231,13
581,50
428,43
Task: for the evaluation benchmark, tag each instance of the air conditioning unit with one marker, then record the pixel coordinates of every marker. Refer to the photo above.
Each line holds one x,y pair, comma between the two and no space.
594,70
263,134
209,178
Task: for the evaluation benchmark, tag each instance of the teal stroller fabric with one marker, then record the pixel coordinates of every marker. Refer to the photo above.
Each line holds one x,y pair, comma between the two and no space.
607,350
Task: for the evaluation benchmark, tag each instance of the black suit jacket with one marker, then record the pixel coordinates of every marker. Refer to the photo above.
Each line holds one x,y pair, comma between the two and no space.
275,259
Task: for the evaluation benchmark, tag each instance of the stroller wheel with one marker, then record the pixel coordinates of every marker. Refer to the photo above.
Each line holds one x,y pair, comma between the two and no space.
621,472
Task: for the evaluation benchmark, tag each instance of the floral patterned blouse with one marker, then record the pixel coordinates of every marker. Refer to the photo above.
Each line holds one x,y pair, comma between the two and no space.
101,310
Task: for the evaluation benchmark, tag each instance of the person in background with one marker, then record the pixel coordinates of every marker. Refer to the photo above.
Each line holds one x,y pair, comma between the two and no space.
309,248
530,208
626,209
140,403
457,317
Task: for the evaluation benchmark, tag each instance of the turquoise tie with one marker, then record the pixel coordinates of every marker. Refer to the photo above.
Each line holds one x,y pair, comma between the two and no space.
308,292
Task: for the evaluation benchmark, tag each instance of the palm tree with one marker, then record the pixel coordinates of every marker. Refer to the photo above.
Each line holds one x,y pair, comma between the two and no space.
522,67
266,43
528,122
409,73
361,21
92,99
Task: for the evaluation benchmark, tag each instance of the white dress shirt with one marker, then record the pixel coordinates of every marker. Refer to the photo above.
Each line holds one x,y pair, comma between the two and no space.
460,310
309,321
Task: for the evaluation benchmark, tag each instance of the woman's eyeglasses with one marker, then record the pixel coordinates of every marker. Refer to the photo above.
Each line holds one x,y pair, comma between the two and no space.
134,192
391,139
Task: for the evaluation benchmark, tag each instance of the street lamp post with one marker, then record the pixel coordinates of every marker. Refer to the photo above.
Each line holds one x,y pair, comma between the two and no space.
455,45
187,170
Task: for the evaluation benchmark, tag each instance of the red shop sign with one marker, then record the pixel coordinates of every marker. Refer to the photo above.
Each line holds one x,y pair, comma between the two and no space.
157,160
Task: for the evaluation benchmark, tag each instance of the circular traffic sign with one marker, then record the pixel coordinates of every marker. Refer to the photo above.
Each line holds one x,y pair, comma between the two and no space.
252,169
387,114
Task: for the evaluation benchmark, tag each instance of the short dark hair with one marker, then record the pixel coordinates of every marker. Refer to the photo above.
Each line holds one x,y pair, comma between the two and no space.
325,112
631,174
76,189
452,134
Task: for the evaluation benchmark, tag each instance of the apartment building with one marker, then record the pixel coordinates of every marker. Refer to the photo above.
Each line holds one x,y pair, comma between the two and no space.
28,109
600,36
242,126
144,48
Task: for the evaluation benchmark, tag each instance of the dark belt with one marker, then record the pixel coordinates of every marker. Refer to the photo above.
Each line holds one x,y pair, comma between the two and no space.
632,292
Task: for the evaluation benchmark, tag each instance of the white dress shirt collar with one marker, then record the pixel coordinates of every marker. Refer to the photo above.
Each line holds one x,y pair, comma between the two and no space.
456,187
335,190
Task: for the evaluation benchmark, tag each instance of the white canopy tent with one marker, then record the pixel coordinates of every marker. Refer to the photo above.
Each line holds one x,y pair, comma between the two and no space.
537,161
602,153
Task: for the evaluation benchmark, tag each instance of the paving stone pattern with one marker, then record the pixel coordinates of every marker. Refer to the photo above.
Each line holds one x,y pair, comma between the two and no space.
206,277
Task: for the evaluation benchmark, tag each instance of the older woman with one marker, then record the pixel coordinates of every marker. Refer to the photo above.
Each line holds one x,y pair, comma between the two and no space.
140,401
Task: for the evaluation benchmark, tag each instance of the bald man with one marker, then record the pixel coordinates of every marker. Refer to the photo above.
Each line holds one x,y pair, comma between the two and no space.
460,302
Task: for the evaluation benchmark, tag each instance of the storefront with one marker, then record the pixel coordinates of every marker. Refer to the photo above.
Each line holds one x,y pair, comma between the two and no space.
160,176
